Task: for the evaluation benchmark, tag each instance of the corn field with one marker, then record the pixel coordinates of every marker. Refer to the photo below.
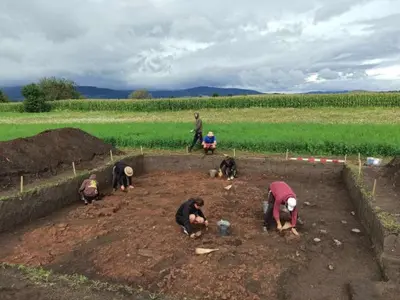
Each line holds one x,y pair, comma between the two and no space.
267,101
315,139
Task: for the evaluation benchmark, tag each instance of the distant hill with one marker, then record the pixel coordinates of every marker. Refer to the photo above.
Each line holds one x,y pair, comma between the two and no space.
92,92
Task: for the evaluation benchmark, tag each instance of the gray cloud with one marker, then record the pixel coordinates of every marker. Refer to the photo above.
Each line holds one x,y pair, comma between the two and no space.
277,46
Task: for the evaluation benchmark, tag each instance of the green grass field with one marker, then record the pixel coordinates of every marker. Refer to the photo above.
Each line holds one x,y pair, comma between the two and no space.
307,124
335,139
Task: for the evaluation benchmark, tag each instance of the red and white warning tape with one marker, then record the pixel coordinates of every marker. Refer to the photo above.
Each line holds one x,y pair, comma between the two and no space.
322,160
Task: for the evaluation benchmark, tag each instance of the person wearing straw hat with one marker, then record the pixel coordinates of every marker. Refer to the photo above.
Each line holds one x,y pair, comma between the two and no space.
280,193
228,167
209,142
122,176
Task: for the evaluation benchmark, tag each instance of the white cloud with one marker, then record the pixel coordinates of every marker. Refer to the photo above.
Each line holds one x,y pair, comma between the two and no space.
285,45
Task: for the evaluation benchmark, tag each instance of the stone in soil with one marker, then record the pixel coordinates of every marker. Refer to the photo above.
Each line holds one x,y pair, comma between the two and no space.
337,242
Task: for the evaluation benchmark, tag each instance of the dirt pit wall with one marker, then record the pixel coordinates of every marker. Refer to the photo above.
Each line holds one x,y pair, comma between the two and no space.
246,166
385,240
43,200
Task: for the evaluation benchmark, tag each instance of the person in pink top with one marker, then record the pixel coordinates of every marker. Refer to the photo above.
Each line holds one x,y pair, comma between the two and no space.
280,193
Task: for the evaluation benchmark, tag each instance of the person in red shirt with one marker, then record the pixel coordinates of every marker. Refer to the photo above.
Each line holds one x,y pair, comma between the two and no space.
280,193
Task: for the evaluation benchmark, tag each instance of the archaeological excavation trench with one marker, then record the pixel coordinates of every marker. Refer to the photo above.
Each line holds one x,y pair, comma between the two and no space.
132,237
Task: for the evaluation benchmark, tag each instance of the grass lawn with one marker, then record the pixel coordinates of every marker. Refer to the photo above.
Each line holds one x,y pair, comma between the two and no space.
337,139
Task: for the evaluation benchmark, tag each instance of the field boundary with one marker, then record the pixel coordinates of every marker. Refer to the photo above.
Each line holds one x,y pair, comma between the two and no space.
241,101
21,208
384,233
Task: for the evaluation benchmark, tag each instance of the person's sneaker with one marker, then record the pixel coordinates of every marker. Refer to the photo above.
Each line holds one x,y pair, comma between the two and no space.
231,177
184,230
86,203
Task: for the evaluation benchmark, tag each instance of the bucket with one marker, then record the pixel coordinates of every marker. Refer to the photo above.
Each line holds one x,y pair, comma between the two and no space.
213,173
372,161
377,162
223,227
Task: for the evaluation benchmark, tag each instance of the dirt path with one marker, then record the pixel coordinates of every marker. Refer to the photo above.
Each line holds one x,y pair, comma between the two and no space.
133,238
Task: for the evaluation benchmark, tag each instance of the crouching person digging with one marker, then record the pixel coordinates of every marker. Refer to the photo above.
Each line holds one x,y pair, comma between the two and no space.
89,190
280,193
122,176
189,214
228,167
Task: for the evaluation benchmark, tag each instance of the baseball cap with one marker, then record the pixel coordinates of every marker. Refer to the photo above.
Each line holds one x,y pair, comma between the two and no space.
291,204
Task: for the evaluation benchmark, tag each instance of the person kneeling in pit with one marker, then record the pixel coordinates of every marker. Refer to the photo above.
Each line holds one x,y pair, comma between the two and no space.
280,193
189,214
122,176
209,143
89,190
228,167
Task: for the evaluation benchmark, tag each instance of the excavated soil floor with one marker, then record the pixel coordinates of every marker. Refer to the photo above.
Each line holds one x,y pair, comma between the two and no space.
133,238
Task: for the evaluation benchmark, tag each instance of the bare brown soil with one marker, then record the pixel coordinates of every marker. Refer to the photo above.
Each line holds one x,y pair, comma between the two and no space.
133,238
49,153
387,186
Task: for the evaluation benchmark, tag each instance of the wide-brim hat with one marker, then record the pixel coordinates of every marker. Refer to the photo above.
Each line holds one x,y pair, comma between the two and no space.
128,171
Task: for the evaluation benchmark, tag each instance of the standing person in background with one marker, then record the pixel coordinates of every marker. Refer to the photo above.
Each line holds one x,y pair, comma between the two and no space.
198,131
122,176
89,190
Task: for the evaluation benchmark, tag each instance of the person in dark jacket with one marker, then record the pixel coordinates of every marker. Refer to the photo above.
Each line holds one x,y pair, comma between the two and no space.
198,131
89,190
280,193
190,213
122,176
228,167
209,142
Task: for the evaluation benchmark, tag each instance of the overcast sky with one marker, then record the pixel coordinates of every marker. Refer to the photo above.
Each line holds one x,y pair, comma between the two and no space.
285,45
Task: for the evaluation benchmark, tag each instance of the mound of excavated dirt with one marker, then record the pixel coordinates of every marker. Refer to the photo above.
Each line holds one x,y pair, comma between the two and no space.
49,153
392,171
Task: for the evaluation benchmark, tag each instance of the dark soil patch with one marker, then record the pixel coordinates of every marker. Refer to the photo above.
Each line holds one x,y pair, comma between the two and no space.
49,153
17,284
387,188
392,172
140,243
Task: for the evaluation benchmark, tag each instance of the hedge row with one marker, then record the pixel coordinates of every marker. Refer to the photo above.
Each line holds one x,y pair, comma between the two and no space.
272,101
315,139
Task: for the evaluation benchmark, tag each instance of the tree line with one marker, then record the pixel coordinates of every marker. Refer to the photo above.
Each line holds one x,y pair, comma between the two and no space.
37,95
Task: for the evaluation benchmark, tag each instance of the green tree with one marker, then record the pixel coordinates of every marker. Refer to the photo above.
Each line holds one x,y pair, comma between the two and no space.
215,95
140,94
58,89
3,97
34,99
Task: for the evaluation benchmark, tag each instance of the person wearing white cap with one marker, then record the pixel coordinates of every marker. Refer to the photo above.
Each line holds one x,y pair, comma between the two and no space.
122,176
280,193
